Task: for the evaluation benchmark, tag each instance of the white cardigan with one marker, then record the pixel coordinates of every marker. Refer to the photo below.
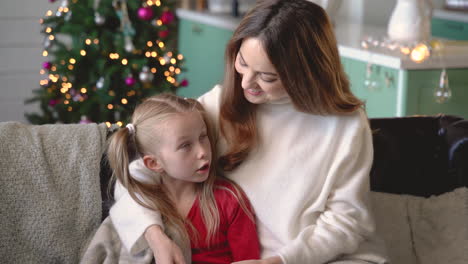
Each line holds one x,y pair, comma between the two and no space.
308,182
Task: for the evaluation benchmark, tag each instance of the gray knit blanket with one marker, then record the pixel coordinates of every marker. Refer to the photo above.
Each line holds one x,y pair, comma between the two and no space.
107,248
50,201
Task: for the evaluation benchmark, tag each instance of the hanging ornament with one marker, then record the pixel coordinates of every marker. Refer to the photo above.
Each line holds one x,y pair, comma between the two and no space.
85,120
53,102
145,13
100,83
47,65
163,33
68,15
117,4
99,19
116,115
77,98
129,81
145,75
443,93
126,26
47,42
184,83
129,47
167,17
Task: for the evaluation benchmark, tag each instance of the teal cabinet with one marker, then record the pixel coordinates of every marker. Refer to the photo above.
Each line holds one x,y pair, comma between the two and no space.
374,84
390,92
449,29
203,49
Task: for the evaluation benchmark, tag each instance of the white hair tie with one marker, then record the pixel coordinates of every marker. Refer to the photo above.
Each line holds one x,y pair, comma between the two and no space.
131,128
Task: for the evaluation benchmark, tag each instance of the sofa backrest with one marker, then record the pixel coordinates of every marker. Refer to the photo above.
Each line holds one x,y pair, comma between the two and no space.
421,155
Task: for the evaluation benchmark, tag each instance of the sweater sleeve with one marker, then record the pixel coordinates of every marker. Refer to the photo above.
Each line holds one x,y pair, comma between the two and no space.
242,232
346,220
130,218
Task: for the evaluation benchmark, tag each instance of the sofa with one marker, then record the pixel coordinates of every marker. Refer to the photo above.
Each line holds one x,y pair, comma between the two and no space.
55,189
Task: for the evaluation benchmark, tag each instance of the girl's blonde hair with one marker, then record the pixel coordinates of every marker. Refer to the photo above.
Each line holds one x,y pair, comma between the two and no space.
124,147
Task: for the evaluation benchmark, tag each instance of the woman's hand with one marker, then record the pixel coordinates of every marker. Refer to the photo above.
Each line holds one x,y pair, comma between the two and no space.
164,249
270,260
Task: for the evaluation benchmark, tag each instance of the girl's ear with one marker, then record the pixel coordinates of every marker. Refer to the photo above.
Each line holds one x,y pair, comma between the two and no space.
152,163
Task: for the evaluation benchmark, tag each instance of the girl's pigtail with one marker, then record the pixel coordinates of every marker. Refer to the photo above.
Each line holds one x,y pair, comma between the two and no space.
121,150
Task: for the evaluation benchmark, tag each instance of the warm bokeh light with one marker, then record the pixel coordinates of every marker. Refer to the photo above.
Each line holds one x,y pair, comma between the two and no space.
420,53
405,50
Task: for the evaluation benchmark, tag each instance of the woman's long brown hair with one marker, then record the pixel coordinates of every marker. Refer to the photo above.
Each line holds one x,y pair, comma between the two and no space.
298,38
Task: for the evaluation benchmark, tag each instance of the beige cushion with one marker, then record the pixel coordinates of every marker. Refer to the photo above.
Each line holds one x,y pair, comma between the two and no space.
440,227
391,215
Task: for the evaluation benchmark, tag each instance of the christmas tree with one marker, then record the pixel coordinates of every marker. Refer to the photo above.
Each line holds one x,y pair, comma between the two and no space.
103,57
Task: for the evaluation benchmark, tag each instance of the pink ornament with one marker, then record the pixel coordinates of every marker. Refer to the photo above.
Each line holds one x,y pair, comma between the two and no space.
129,81
145,13
184,82
47,65
167,17
163,33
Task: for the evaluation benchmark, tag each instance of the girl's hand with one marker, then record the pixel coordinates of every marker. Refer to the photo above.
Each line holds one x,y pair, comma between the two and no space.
270,260
165,251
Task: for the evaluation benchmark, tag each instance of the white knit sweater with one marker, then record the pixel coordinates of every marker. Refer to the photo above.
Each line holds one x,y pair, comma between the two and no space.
308,182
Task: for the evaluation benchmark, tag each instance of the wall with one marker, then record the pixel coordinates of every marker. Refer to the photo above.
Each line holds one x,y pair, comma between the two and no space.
20,55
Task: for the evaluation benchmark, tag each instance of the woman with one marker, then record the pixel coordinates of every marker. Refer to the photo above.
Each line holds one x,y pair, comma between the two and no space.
293,136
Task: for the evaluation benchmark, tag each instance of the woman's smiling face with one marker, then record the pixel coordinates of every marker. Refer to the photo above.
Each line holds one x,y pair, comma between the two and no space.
260,81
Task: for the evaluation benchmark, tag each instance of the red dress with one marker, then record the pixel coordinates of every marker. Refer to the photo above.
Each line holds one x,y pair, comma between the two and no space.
236,238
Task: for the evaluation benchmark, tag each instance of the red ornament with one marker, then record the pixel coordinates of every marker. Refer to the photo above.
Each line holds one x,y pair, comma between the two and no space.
145,13
184,83
129,81
163,33
53,102
167,17
47,65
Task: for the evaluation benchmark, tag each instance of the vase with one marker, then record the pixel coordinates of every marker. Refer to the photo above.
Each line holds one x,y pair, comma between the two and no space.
410,21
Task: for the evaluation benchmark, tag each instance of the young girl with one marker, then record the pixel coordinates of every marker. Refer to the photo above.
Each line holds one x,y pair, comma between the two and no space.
171,140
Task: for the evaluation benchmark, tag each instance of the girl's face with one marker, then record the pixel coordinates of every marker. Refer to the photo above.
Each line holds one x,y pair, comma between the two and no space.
260,81
184,151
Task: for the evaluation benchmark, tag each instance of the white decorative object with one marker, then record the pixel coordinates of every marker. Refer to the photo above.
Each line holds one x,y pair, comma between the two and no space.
411,21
